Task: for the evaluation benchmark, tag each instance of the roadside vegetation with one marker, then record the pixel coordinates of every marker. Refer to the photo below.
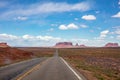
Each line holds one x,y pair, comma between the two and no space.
11,55
39,51
94,63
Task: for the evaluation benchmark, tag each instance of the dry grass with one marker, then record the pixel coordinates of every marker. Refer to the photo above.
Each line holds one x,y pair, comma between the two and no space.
103,63
39,51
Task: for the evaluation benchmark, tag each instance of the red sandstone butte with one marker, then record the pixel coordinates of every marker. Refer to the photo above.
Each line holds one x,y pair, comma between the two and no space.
64,45
3,45
83,46
112,45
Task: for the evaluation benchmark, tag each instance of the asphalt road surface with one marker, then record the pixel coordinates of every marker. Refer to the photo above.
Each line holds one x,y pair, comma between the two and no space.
11,71
54,68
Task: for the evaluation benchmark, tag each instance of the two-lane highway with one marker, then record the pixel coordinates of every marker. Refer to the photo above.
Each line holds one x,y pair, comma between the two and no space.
54,68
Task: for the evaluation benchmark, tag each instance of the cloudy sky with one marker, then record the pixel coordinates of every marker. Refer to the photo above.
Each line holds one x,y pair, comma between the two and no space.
45,22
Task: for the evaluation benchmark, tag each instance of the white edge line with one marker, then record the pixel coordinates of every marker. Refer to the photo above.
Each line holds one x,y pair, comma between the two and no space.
71,69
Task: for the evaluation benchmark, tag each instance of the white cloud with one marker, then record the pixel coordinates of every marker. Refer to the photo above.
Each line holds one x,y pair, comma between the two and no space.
119,2
117,31
29,40
7,36
63,7
36,9
72,26
83,26
104,33
80,41
97,12
87,42
21,18
69,26
63,27
118,37
76,19
40,38
27,37
89,17
116,15
48,38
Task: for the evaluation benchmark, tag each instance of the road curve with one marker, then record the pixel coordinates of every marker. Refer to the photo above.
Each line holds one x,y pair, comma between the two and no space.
53,68
11,71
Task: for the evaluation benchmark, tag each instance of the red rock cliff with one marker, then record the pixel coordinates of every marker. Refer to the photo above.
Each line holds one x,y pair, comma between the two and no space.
64,44
3,45
112,45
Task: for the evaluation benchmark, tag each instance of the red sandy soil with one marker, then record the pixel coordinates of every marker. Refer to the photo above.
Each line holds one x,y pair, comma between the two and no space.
10,55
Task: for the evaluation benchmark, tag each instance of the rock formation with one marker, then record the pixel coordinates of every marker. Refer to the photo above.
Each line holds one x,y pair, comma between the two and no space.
63,45
76,44
112,45
70,45
3,45
83,46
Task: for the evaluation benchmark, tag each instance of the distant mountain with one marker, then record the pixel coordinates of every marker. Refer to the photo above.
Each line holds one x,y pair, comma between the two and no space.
112,45
68,45
83,46
63,45
3,45
79,46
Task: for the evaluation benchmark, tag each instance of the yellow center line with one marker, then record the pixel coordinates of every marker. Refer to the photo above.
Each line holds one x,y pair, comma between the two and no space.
31,70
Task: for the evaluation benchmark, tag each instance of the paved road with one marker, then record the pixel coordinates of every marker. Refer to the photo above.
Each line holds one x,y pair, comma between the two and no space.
11,71
54,68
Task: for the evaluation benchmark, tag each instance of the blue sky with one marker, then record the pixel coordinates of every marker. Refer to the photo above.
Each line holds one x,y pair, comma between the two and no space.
45,22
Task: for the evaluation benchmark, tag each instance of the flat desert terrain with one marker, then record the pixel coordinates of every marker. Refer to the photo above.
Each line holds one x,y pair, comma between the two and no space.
94,63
